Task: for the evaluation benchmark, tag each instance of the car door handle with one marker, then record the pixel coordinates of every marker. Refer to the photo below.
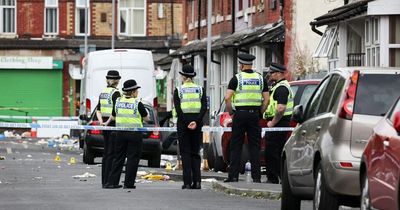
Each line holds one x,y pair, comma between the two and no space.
318,128
386,142
303,132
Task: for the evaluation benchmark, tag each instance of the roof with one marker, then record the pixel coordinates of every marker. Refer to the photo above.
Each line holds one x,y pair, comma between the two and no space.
341,13
195,46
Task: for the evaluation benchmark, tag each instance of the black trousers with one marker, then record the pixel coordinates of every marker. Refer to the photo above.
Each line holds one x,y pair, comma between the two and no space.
108,155
245,122
128,145
275,141
189,146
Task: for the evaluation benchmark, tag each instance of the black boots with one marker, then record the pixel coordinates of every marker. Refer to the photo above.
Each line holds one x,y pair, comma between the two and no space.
196,185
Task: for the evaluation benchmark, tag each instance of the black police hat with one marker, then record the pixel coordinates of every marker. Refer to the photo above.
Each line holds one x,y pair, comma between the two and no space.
188,71
130,85
113,74
246,59
276,67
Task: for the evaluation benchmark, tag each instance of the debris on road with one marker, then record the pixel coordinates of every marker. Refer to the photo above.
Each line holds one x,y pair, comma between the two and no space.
2,157
85,175
211,180
29,156
155,177
37,178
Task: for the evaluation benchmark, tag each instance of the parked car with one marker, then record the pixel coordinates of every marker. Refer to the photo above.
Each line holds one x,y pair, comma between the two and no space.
218,150
380,164
169,140
93,144
321,158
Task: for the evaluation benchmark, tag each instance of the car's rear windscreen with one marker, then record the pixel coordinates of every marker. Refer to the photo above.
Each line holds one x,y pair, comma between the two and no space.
376,93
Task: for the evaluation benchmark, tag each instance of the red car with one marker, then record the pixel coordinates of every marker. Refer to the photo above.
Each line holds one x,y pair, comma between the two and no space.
380,164
218,150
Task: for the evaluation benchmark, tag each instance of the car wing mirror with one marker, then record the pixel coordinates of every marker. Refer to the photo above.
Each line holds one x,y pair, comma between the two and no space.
298,114
396,122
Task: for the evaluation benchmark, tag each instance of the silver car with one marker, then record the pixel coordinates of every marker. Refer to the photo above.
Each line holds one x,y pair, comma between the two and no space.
321,159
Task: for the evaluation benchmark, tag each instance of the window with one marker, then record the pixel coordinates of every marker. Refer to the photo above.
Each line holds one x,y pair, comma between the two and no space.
307,92
312,105
51,17
326,98
80,17
7,16
372,41
240,6
376,93
132,18
327,42
394,41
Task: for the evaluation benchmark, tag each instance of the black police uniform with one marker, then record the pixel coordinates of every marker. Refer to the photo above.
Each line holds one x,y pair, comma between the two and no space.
128,145
190,141
246,120
109,146
277,139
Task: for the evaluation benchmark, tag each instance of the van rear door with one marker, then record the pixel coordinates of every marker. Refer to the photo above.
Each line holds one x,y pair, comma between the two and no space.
376,92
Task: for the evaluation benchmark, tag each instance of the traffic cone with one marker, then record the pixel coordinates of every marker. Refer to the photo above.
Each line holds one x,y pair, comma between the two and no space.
72,160
57,158
34,129
168,166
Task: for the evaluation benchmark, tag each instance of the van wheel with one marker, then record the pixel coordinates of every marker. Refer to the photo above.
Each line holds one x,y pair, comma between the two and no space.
210,155
365,199
288,200
88,156
323,199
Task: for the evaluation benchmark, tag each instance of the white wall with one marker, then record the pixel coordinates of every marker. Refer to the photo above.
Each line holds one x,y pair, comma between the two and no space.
304,12
384,7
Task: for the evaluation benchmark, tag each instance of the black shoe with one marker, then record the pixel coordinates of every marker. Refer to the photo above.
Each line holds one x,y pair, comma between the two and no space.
110,186
196,186
185,186
257,180
130,187
231,180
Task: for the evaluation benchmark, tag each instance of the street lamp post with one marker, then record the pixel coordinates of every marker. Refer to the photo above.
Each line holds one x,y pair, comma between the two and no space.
209,56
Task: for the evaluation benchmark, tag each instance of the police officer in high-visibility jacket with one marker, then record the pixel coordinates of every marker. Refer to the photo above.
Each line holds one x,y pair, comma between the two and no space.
279,113
248,92
190,104
128,112
104,108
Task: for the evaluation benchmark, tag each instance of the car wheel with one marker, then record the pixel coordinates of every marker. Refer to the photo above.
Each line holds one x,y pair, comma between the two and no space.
323,199
88,156
365,199
210,155
288,200
154,162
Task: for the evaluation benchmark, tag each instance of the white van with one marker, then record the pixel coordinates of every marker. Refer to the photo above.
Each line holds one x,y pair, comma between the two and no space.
130,63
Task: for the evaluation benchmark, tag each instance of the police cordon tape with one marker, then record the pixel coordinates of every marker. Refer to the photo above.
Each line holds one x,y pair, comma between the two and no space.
36,118
92,127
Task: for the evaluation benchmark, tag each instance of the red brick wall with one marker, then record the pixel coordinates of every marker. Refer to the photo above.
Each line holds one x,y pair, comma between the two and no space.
30,18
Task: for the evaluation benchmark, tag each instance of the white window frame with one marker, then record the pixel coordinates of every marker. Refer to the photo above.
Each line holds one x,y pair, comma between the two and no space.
13,22
129,11
327,42
79,5
51,4
372,41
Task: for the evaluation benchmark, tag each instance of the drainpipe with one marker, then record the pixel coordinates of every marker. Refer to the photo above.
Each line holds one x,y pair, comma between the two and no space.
172,18
198,19
313,28
233,16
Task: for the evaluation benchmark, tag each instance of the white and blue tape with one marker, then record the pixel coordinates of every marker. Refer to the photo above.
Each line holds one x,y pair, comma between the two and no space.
36,118
91,127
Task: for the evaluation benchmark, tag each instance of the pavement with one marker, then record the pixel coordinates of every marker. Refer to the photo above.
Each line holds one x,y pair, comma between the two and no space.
242,188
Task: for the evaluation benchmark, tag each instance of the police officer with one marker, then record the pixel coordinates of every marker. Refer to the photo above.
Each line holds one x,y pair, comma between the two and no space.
248,92
279,112
190,104
106,102
128,112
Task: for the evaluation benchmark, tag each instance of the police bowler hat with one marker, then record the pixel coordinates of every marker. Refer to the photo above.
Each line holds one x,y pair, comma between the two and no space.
130,85
276,67
246,59
188,71
113,74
